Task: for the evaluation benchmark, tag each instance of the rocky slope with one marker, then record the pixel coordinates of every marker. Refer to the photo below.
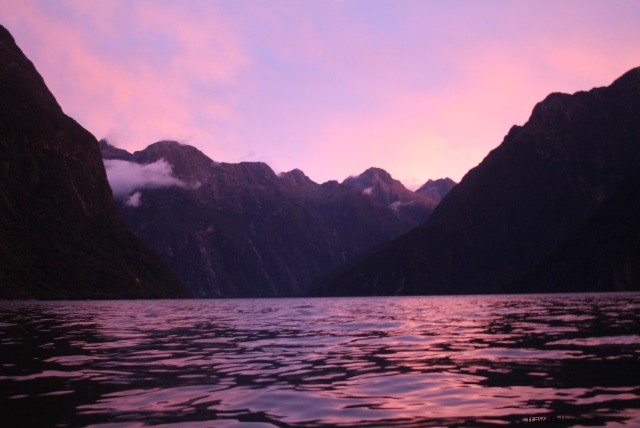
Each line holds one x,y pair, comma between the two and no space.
60,234
240,229
527,197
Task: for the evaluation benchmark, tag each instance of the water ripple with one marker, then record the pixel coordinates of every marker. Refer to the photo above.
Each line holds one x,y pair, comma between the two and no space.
427,361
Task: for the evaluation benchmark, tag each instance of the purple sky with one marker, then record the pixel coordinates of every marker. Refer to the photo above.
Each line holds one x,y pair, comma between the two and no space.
423,89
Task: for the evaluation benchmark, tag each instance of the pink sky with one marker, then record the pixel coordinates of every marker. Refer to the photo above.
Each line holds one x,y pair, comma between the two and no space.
423,89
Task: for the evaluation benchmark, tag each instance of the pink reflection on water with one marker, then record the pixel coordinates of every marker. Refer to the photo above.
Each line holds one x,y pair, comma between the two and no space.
445,360
154,400
599,341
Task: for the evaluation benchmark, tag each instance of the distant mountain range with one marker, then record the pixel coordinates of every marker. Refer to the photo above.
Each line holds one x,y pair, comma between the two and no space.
60,234
553,208
239,230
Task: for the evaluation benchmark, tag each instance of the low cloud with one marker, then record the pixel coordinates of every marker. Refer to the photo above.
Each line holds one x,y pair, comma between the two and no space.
134,200
397,205
126,177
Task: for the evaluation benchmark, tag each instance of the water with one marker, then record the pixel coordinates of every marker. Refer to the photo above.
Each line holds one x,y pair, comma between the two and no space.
402,361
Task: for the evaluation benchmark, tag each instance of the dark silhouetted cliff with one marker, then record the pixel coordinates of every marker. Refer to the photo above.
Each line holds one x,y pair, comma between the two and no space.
529,195
60,234
603,254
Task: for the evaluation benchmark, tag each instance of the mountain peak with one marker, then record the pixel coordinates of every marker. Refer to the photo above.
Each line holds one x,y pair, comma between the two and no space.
55,198
629,79
297,177
169,146
372,177
112,152
257,168
559,109
436,189
166,144
20,80
165,148
376,181
5,35
524,199
374,174
379,185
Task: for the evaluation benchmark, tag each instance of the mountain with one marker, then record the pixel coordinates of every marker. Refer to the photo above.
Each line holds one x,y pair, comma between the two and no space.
379,185
436,189
527,197
603,254
60,234
239,230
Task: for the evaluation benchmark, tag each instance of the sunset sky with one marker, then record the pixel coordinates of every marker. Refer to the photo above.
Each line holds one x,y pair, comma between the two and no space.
423,89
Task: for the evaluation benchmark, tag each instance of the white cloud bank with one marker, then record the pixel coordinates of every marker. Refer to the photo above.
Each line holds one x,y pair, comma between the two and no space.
126,177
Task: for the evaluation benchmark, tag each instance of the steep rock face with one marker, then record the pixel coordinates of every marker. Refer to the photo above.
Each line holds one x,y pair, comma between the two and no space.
379,185
60,234
240,230
603,254
511,211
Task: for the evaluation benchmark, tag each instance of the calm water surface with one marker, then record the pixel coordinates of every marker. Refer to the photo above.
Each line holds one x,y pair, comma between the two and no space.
404,361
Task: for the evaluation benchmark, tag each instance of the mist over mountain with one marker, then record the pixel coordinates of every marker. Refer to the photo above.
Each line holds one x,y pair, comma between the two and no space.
60,234
547,179
240,229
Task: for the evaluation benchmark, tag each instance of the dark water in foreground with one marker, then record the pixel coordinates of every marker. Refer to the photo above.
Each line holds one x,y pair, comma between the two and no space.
407,361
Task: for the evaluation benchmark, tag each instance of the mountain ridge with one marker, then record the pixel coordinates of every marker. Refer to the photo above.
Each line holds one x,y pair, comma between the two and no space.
60,234
240,230
522,201
382,187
